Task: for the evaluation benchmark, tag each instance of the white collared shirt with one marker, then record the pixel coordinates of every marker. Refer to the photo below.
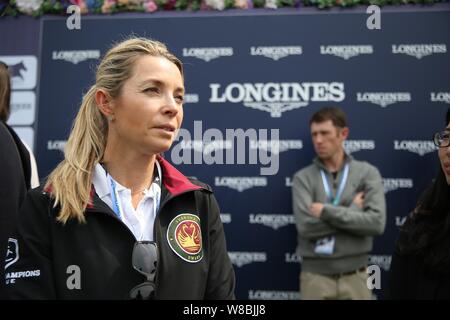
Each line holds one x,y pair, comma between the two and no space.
141,220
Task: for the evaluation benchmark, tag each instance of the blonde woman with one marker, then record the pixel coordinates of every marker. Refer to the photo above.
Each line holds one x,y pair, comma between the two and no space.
114,219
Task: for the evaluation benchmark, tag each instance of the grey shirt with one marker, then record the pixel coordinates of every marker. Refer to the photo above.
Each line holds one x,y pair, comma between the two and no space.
351,227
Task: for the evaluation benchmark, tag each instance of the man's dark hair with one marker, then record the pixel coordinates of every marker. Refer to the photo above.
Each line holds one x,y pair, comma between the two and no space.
335,114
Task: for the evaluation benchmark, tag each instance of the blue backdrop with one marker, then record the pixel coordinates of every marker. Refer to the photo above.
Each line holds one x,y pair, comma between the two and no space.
261,70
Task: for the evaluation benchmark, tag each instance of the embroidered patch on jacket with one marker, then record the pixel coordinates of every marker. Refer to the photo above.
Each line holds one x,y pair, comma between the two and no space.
185,237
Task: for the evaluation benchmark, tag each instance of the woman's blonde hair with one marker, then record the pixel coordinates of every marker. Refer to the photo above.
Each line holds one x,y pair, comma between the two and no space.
70,182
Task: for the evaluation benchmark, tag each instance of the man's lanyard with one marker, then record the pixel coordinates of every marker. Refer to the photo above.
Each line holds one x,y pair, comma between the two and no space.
115,196
340,189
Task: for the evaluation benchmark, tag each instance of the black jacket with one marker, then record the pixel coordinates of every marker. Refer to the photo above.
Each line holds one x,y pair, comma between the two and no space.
101,249
15,172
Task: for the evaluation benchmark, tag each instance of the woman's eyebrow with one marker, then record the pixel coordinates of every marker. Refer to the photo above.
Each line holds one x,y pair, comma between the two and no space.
151,81
158,83
179,89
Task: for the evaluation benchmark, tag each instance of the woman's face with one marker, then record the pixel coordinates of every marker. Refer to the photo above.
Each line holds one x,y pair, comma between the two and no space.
149,109
444,156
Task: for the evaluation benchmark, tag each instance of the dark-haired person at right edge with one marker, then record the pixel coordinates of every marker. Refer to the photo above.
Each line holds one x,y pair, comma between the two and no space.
420,267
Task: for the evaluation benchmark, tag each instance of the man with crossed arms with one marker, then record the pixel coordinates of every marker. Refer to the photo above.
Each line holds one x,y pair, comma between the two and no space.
339,205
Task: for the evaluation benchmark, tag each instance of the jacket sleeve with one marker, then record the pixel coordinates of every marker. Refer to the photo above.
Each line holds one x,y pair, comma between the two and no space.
12,193
308,226
28,270
221,278
369,221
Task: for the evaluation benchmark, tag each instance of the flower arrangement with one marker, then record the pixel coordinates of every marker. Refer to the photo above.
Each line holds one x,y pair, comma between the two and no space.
39,7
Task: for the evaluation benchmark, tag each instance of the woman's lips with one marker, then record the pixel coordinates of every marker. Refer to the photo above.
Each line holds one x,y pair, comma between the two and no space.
166,127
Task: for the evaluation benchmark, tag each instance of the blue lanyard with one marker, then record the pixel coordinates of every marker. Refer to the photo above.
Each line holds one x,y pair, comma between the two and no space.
157,195
340,190
114,197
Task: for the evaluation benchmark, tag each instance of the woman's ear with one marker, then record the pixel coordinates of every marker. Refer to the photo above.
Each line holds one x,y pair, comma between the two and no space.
104,104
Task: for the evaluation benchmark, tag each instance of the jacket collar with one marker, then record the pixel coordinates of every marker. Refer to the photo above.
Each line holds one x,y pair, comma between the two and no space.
90,205
318,162
100,180
173,181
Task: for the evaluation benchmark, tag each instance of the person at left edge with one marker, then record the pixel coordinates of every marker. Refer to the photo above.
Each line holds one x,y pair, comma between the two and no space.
15,171
76,236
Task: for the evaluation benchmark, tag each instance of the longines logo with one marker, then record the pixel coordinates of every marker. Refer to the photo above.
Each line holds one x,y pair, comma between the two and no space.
274,221
440,97
206,147
352,146
191,98
76,56
208,54
383,98
420,147
346,52
56,145
273,295
240,183
276,146
23,107
225,217
383,261
240,259
277,98
16,107
276,53
292,258
418,50
392,184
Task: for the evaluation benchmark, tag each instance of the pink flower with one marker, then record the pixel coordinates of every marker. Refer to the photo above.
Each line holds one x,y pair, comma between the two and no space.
150,6
107,5
241,4
83,6
204,6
